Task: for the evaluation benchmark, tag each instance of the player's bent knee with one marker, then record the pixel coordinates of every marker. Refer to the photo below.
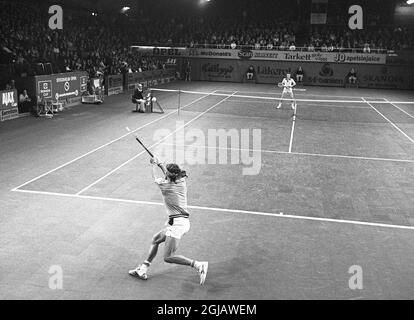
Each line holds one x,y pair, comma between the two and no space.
168,256
168,259
157,239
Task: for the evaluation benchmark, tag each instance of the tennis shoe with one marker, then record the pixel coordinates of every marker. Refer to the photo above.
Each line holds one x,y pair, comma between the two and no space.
279,106
138,273
202,271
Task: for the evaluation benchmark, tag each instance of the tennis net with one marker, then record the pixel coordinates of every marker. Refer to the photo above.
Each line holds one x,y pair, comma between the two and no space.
352,109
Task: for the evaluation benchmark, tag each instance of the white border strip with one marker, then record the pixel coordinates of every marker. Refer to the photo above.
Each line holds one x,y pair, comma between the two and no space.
407,136
107,144
351,157
293,128
257,213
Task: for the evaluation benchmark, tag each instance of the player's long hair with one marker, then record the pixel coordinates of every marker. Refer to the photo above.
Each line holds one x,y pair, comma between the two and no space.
174,172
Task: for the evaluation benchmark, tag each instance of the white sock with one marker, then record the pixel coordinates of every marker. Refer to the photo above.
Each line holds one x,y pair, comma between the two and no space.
197,265
144,267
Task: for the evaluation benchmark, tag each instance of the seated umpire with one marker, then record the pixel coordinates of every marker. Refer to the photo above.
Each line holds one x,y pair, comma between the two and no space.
250,73
138,98
299,75
352,76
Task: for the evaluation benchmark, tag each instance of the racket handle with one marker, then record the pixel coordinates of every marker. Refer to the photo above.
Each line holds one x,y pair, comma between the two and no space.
149,152
161,166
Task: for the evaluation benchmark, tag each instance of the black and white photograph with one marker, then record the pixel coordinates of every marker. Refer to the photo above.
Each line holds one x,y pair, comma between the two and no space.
218,152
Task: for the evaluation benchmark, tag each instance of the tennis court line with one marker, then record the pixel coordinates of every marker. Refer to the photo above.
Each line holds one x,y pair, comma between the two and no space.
108,143
152,146
351,157
399,108
256,213
334,106
406,135
293,129
295,153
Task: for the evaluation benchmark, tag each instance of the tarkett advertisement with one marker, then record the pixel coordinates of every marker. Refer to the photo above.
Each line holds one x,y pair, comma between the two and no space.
8,108
61,86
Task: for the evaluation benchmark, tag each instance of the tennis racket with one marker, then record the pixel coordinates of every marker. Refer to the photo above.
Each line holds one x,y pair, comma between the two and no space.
146,149
140,142
280,85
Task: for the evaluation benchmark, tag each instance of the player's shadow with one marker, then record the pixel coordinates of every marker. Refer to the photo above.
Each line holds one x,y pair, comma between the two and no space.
227,274
224,277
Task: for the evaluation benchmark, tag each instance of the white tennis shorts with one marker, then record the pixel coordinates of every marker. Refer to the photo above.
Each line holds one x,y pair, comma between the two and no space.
180,227
288,91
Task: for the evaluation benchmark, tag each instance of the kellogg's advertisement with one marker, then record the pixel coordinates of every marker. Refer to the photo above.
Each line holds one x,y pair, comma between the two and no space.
214,70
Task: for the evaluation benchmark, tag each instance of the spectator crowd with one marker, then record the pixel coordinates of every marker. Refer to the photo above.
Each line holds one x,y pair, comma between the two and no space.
101,43
370,39
90,43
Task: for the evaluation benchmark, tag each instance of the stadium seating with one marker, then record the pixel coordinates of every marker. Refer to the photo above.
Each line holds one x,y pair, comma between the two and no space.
100,43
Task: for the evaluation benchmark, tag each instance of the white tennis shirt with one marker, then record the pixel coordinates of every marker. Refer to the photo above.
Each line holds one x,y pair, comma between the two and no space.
175,197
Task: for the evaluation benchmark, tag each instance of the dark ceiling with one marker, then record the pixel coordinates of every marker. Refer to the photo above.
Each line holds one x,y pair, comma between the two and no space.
112,5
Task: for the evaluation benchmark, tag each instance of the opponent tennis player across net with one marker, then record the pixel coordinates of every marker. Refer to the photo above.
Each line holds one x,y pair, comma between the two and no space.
173,187
287,84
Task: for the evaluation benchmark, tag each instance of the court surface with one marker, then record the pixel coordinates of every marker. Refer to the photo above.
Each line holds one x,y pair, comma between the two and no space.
335,189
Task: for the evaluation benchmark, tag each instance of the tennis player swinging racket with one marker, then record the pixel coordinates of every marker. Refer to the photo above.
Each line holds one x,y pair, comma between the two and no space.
287,84
174,191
